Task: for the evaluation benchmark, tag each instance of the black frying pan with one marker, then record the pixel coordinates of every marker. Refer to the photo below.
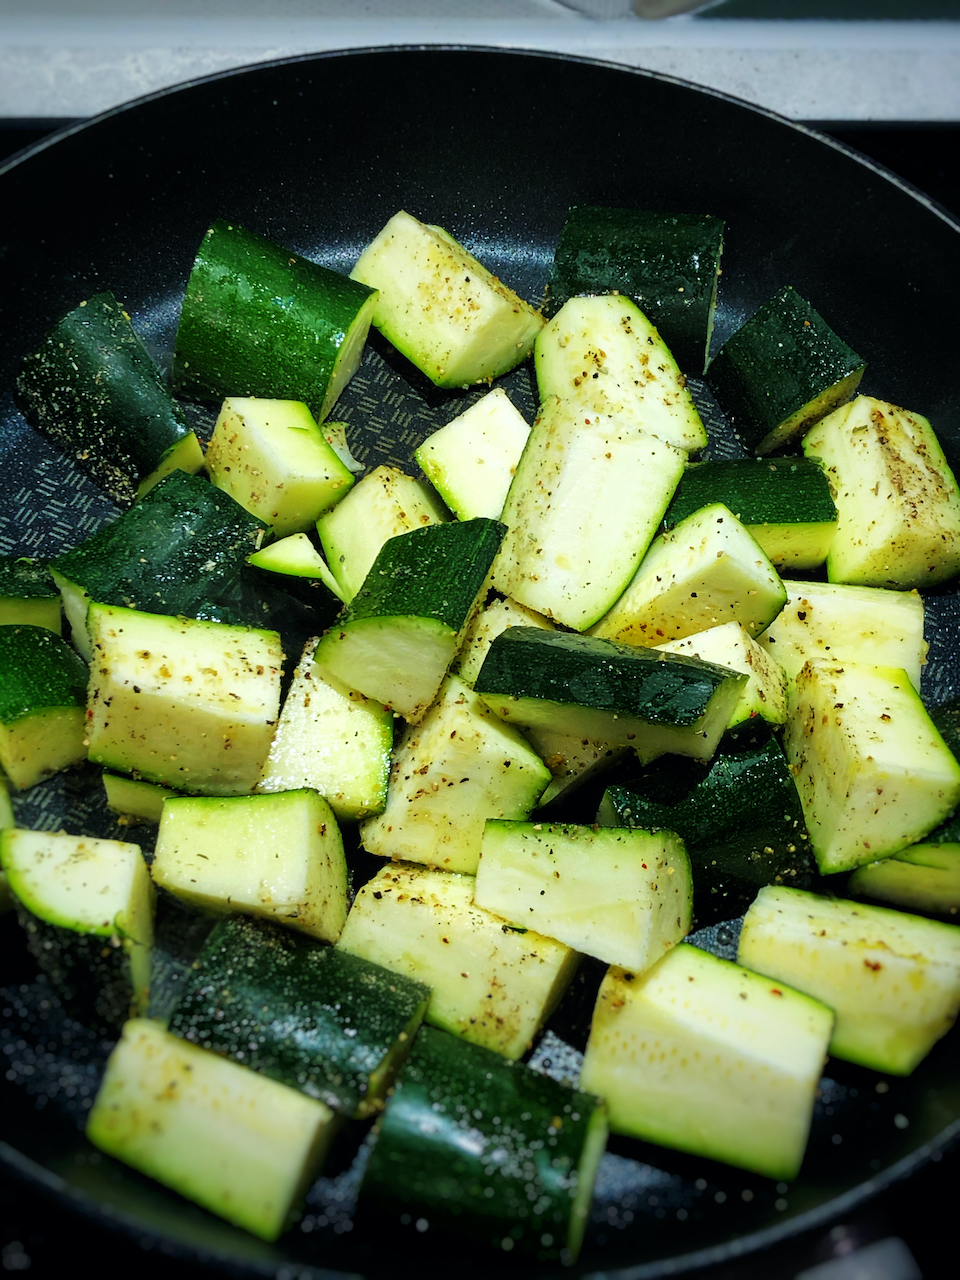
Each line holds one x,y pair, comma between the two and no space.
317,153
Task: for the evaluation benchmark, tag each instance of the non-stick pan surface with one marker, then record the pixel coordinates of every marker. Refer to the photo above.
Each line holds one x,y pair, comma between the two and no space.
317,153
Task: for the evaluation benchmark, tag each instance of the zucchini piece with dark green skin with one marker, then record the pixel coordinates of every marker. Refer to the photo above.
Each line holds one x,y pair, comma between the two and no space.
398,636
259,320
668,263
43,699
741,822
331,1024
618,693
489,1149
28,594
786,505
86,906
93,387
180,548
783,370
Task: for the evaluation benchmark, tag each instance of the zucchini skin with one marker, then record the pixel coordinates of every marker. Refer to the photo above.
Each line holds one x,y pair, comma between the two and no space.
183,546
789,491
741,822
313,1017
667,263
259,320
93,387
483,1147
39,670
781,371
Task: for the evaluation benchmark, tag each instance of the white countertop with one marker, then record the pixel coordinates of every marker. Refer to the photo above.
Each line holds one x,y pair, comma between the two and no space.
65,58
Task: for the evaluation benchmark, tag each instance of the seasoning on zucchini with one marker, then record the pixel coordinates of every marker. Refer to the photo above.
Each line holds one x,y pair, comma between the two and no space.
491,1150
43,696
316,1018
443,309
893,979
701,1055
898,501
617,893
782,371
279,856
230,1139
94,388
668,263
490,983
261,320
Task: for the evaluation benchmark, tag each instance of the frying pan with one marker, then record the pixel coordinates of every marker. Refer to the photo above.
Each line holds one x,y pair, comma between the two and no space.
316,153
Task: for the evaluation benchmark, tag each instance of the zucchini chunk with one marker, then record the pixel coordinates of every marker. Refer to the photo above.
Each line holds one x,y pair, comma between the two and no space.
316,1018
94,388
259,320
668,263
841,623
399,634
893,979
494,618
43,695
332,739
706,571
177,550
135,801
87,910
471,461
898,501
589,493
272,458
606,357
491,1150
619,894
189,704
924,877
28,594
701,1055
873,773
279,856
385,503
741,822
441,308
230,1139
296,557
782,371
730,645
615,693
491,983
785,504
458,767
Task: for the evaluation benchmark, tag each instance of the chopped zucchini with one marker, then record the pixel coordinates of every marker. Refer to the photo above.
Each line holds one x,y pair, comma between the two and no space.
272,458
873,773
316,1018
28,594
135,801
617,893
441,308
706,571
893,979
782,371
897,499
730,645
230,1139
668,263
43,695
491,984
701,1055
279,856
922,877
458,767
189,704
297,557
471,461
399,634
259,320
